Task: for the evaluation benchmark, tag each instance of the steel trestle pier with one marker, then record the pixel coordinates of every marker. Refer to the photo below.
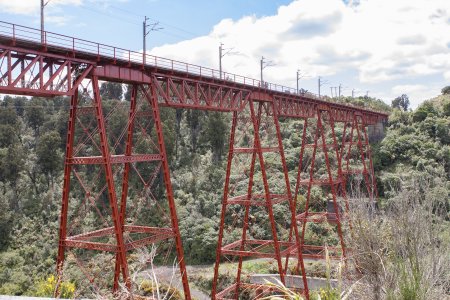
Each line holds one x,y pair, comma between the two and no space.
105,166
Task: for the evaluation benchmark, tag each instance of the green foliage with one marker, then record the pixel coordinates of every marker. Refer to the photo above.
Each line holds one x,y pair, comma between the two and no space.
446,90
111,90
368,102
398,118
415,141
325,294
11,164
9,122
31,158
8,115
216,133
150,288
446,107
401,102
47,288
35,113
423,111
48,156
410,283
5,223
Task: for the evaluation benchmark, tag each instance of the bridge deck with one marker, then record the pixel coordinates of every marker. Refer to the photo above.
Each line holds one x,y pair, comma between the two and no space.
117,64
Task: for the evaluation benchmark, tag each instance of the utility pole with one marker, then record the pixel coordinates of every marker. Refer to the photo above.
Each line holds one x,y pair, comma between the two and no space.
262,68
222,54
331,89
319,86
43,5
264,64
353,93
220,59
145,32
321,82
300,75
340,85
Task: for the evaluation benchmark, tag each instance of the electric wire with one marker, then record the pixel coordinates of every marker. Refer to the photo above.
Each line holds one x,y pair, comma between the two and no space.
187,34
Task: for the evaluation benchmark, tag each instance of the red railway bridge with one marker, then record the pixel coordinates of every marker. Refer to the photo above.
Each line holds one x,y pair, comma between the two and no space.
256,174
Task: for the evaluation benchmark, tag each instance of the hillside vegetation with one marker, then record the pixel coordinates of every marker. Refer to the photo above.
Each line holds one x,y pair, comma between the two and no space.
32,145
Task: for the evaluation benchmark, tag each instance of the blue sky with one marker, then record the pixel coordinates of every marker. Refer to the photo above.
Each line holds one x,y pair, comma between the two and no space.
119,22
383,47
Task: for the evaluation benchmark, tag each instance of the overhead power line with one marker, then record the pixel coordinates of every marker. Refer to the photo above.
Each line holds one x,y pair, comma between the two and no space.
115,17
155,20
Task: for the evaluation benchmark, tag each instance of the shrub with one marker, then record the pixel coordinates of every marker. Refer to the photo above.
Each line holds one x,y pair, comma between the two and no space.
423,111
47,288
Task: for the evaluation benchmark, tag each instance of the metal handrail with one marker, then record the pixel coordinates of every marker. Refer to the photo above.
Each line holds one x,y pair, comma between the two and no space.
101,50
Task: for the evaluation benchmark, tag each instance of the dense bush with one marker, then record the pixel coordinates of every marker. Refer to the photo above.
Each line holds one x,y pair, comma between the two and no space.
31,168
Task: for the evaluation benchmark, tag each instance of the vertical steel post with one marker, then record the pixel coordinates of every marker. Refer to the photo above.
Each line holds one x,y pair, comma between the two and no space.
247,207
267,191
66,183
363,160
311,178
152,98
110,181
341,155
330,175
369,156
292,205
126,171
297,187
224,204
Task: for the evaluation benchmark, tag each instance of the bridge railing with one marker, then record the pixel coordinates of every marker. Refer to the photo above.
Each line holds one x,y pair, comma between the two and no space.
76,45
23,33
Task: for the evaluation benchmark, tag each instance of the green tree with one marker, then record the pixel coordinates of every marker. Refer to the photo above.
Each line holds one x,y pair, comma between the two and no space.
48,156
111,90
194,118
446,90
11,164
8,116
401,102
19,105
8,126
216,134
5,223
423,111
446,108
35,114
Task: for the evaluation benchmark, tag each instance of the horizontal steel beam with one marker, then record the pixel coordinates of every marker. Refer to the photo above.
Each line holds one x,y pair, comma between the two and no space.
115,159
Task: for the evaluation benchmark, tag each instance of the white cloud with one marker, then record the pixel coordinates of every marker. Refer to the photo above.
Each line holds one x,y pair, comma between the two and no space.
383,46
404,89
416,93
447,75
376,41
58,20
